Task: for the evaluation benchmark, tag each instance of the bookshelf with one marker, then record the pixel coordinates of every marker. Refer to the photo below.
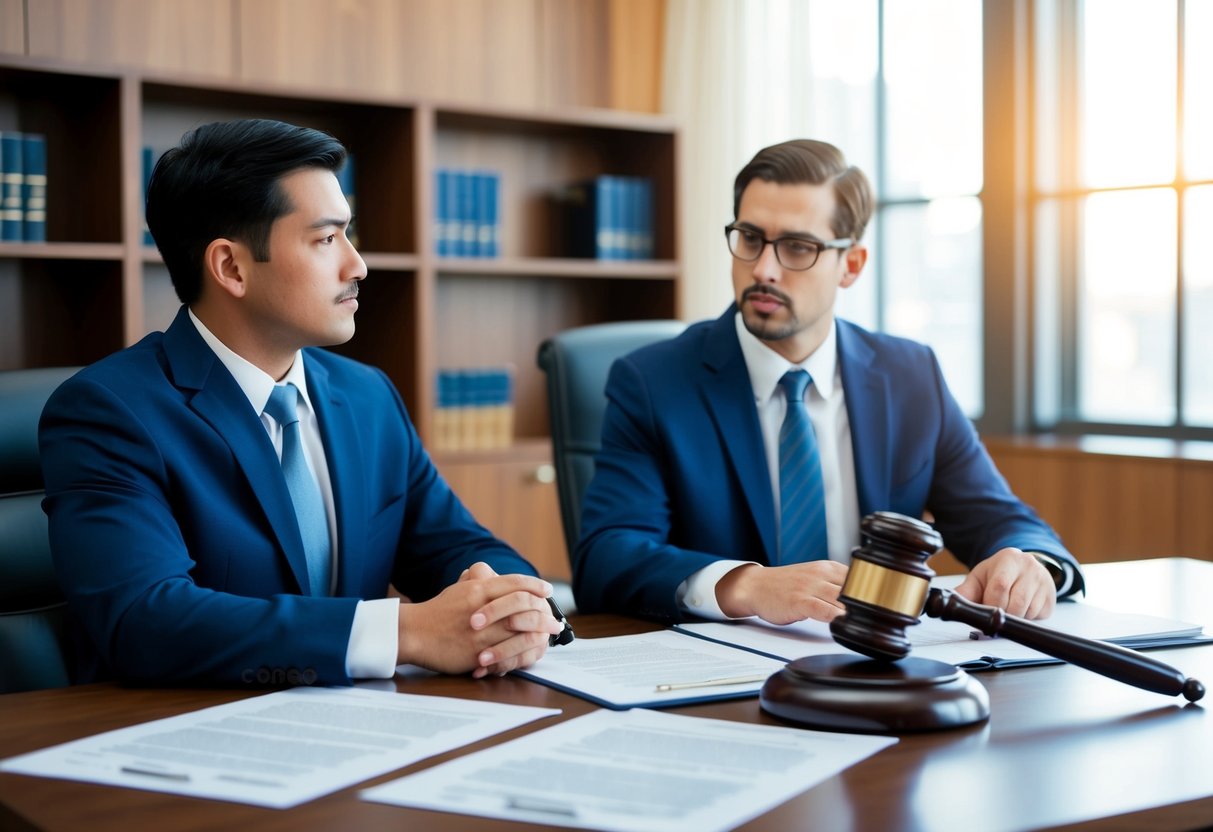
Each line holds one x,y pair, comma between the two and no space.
94,287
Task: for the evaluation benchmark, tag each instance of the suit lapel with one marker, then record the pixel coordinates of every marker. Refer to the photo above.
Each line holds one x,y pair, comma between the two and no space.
341,448
729,396
867,398
218,399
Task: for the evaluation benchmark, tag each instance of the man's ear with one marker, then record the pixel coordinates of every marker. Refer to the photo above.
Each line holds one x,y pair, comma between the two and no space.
224,266
856,256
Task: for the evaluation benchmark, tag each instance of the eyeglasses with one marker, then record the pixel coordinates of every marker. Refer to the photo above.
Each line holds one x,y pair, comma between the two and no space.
795,253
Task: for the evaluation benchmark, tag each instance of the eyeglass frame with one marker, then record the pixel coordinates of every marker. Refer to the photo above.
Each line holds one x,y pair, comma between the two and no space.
842,243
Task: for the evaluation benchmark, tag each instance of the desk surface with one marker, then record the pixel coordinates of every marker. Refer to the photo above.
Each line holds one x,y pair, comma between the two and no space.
1063,749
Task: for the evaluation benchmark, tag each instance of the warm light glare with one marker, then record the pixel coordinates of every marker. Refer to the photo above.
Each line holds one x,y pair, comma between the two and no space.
1198,89
1129,88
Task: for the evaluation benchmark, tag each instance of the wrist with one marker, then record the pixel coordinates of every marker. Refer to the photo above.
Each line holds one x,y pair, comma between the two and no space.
734,591
1055,568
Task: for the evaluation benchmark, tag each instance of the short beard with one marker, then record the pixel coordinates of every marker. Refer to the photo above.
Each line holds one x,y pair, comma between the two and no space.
762,326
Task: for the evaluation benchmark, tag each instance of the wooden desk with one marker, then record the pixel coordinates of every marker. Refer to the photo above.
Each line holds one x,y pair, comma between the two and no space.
1063,749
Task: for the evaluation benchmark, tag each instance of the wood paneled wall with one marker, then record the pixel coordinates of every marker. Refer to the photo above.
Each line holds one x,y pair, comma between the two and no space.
517,53
12,27
1110,507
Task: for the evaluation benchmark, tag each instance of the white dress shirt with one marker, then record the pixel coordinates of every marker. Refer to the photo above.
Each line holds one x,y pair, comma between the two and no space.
826,404
371,653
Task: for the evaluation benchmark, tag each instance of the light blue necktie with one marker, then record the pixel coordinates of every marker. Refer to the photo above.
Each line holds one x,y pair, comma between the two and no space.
305,493
802,514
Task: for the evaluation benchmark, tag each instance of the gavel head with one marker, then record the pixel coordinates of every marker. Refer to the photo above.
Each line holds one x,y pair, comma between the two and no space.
887,585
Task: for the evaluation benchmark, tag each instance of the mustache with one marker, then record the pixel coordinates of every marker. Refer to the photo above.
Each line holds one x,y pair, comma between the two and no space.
760,289
351,292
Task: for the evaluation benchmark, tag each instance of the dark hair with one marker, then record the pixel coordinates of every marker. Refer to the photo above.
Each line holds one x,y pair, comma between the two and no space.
223,180
809,162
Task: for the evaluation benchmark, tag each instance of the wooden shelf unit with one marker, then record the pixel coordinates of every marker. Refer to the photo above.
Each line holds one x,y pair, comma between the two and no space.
95,287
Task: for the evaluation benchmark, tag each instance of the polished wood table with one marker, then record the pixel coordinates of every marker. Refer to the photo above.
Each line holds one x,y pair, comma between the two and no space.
1063,749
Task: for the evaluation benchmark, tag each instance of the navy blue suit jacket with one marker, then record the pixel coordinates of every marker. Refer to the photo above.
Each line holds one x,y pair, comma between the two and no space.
173,533
682,478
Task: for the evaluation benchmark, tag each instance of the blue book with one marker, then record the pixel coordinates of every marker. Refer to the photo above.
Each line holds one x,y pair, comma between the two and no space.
346,179
644,218
442,212
617,213
33,190
468,225
488,185
603,213
12,178
149,164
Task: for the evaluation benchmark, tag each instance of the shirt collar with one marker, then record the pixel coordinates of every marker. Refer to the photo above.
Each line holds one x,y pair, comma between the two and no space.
255,382
766,367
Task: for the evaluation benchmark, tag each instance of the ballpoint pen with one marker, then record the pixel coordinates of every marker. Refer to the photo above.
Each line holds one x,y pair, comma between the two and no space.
712,683
565,635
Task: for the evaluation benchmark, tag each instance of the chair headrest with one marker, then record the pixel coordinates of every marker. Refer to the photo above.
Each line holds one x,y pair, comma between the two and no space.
23,394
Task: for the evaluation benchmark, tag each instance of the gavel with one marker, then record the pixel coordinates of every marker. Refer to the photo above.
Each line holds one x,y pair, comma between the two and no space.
888,588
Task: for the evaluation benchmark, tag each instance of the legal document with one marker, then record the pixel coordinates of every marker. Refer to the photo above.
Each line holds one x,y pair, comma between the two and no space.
634,771
280,749
657,669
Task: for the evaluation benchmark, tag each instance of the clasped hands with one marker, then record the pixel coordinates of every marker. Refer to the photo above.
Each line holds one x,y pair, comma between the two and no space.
485,622
1011,579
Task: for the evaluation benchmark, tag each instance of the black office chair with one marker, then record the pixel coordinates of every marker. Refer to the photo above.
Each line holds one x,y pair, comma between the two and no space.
577,362
35,648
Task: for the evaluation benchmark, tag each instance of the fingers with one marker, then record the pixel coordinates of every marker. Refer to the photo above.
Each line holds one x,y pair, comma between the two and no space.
518,651
1014,581
511,594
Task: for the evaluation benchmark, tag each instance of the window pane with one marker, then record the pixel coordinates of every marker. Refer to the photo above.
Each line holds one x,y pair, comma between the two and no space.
1128,92
933,77
1126,308
1198,307
1047,91
933,291
842,97
1198,89
1048,330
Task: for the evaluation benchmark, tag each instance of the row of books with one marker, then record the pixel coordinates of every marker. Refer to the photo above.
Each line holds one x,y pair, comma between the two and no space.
467,219
22,187
345,177
475,409
608,217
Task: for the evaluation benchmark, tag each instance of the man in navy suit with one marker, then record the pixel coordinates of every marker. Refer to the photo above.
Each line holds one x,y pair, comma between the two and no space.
187,549
684,514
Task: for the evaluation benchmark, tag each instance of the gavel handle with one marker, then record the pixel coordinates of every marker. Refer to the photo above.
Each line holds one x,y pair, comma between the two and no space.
1107,659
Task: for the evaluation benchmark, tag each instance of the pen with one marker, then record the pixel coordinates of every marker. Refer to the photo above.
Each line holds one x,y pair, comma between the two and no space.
164,775
711,683
565,635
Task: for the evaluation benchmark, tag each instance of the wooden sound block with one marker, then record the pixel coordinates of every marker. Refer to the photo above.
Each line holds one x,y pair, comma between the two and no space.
862,696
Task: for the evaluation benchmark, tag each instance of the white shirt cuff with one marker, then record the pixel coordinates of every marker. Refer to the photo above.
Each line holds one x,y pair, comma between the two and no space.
697,594
374,640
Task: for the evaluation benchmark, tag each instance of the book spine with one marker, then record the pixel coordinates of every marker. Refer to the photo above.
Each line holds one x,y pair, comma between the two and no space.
644,220
12,178
34,188
604,233
442,212
486,204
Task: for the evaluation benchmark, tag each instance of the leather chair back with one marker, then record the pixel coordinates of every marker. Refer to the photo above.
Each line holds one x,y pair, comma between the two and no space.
34,634
577,362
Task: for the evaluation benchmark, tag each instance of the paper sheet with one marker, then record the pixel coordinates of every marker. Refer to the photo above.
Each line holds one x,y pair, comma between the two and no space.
280,749
625,671
947,641
635,771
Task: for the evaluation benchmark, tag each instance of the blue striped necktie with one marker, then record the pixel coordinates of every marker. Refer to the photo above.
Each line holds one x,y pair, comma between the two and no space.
802,515
305,493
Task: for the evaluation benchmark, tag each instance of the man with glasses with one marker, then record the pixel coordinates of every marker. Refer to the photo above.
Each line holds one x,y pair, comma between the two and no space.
738,459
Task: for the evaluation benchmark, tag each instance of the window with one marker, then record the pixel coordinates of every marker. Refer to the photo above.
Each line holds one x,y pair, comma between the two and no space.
1122,200
911,118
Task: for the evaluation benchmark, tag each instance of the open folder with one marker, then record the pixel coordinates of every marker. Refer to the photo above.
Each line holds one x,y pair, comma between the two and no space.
712,660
